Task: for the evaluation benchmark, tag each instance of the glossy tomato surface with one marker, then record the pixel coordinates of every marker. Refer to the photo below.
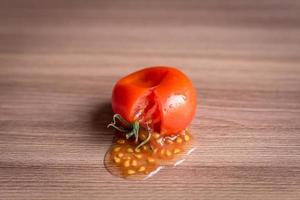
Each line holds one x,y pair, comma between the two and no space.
161,97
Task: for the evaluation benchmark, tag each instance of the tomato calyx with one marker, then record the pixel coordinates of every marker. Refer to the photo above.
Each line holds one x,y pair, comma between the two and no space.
132,130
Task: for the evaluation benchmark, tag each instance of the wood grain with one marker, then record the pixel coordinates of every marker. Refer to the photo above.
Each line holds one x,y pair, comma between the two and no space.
60,59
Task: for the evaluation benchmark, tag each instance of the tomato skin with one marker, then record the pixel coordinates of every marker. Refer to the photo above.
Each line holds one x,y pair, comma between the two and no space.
172,91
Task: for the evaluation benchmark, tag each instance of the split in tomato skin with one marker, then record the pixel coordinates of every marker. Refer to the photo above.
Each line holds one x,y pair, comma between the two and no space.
168,89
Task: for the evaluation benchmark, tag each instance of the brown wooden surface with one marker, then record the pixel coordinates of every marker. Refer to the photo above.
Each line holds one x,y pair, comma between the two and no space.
60,59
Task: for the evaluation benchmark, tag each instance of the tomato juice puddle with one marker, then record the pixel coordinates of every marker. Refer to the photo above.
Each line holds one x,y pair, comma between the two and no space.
124,159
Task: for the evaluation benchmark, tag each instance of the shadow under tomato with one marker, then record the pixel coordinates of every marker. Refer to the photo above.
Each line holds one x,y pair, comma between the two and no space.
101,116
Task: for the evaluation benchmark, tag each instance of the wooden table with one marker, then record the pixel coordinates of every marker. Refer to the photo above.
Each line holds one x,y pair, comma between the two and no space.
60,59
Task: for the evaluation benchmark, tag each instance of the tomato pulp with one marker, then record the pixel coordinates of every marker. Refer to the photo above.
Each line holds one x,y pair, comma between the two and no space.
153,107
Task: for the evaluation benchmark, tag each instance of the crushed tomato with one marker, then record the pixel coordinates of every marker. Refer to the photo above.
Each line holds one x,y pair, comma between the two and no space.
153,107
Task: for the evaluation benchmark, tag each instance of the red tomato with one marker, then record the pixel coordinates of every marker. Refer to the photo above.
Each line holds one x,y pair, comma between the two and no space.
160,97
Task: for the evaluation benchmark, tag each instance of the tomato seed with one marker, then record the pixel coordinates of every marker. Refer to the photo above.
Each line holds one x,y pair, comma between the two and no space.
127,163
150,160
116,149
129,150
121,141
186,138
120,155
142,168
156,135
176,151
138,156
168,152
162,152
117,160
179,140
130,172
134,163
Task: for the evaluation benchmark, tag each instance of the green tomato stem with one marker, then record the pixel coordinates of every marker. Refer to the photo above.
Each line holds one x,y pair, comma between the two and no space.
131,129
